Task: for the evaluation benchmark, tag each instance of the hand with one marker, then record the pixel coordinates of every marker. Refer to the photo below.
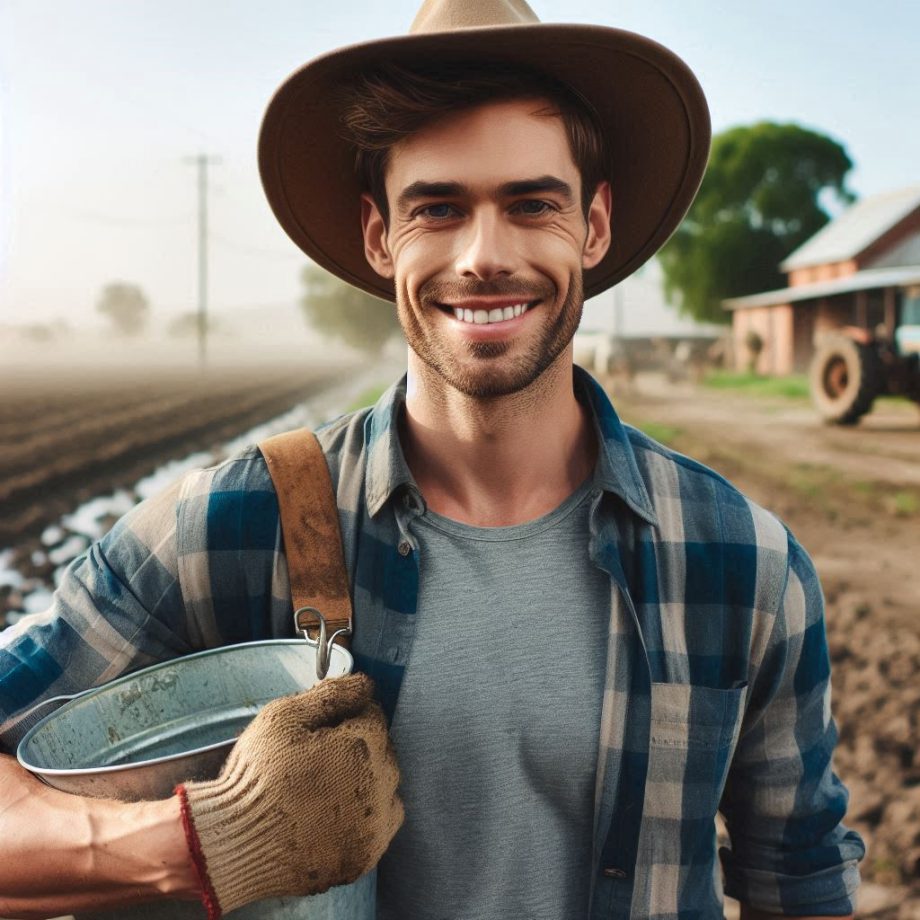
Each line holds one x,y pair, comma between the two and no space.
306,800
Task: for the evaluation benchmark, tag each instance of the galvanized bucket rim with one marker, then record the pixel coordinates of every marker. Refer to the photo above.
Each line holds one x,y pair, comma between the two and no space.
134,675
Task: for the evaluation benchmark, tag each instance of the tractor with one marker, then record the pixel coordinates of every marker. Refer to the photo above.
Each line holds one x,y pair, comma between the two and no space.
852,366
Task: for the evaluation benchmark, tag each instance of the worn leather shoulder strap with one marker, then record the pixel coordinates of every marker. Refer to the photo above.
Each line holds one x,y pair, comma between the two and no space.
309,525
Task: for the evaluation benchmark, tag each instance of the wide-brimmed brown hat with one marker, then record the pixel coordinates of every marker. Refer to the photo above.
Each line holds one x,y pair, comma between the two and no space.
649,103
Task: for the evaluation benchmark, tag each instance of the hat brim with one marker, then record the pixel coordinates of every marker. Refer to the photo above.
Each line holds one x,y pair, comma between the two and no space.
650,105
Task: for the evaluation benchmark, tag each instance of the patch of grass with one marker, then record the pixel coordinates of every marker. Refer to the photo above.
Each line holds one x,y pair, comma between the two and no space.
805,485
895,401
367,398
905,504
664,434
886,872
830,490
817,484
795,386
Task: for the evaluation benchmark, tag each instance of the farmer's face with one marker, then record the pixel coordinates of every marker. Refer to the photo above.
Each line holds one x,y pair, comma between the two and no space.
487,242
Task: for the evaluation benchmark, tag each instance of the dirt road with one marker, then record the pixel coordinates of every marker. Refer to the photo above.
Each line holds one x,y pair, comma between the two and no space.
852,496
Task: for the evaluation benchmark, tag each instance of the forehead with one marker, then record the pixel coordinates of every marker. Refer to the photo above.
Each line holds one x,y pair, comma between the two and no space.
484,146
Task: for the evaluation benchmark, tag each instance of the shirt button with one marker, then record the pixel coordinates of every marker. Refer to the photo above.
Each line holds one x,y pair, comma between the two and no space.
612,872
404,548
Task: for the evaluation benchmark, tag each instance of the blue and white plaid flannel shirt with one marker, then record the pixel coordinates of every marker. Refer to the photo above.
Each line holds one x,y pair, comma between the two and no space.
717,691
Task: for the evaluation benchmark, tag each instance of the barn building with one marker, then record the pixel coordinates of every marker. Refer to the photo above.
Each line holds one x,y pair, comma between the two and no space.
861,269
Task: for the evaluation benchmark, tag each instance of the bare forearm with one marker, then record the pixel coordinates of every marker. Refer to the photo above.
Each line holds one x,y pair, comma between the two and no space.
61,853
748,913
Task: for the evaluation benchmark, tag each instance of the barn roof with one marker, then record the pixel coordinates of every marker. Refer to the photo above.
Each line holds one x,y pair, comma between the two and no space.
855,229
866,280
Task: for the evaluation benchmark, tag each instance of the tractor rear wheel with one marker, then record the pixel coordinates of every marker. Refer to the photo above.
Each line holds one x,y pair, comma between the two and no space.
845,378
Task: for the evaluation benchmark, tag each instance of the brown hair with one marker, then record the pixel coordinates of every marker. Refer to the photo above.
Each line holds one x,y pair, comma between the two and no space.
393,102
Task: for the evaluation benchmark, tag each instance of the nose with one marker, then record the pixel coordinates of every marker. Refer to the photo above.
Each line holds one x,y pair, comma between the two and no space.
486,247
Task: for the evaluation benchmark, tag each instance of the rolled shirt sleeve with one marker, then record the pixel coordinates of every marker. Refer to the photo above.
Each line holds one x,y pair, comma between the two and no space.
790,852
119,607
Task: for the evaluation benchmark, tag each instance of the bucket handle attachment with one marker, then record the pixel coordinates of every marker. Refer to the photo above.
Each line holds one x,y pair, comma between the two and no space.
52,699
322,643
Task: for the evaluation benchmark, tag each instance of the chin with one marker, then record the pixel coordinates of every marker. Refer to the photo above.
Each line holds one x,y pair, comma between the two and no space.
494,376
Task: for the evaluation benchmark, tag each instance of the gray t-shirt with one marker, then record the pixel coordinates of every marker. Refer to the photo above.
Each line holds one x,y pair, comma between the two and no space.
497,724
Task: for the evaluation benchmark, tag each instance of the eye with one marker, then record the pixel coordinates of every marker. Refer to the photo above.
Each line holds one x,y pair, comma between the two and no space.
533,207
441,211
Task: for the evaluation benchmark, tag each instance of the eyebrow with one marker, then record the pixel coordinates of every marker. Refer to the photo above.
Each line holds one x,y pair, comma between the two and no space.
418,190
542,184
421,189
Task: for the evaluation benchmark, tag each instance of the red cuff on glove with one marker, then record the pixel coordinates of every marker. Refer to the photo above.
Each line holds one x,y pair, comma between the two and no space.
199,863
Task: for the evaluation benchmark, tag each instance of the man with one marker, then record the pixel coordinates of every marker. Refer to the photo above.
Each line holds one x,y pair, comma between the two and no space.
585,645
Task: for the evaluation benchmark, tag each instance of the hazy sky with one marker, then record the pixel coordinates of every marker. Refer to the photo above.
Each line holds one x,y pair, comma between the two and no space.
101,101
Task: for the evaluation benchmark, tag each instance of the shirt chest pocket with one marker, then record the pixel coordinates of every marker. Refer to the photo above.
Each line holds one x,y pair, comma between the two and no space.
692,738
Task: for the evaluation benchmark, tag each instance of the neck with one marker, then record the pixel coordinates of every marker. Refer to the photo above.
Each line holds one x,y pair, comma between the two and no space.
499,461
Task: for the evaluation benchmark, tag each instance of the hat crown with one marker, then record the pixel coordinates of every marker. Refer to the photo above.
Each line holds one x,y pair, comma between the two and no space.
450,15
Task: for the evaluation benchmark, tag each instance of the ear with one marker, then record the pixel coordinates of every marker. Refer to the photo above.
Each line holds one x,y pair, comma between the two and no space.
374,228
598,240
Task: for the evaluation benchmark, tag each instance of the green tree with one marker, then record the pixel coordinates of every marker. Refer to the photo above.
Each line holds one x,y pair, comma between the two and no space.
341,311
764,194
126,307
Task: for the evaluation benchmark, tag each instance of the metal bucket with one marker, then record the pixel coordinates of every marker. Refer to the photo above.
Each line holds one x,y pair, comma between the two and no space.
139,736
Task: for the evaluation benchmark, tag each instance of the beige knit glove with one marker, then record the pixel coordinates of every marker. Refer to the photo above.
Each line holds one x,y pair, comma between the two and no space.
306,800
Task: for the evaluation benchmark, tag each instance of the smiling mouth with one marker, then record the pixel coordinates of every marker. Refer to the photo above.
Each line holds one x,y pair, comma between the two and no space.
486,317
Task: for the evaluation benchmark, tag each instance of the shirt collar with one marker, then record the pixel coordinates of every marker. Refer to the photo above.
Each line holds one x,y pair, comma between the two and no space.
387,469
616,471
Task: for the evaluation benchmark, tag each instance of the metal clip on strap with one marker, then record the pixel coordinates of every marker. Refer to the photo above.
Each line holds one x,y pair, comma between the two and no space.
323,641
312,540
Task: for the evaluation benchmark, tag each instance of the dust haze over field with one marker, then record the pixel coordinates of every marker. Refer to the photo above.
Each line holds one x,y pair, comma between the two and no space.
245,338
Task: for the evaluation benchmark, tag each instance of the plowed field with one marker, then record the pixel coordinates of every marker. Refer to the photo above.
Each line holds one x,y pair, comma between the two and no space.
66,438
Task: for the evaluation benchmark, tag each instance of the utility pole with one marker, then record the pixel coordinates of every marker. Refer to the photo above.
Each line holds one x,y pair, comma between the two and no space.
202,161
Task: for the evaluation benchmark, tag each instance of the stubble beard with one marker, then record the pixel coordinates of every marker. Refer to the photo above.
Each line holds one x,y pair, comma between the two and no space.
490,373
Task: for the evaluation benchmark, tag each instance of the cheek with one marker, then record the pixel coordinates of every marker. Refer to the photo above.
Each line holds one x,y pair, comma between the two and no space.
571,235
556,252
419,256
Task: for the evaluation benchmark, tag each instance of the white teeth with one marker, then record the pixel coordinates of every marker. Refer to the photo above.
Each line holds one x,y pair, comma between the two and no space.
495,315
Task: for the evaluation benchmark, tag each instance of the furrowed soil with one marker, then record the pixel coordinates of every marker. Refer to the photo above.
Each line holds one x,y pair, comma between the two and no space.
67,437
852,497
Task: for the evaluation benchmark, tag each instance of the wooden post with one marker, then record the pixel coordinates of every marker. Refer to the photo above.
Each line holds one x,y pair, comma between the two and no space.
891,318
862,311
